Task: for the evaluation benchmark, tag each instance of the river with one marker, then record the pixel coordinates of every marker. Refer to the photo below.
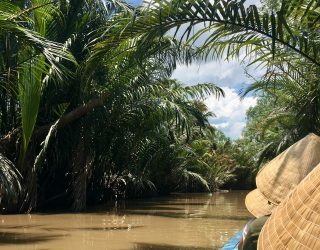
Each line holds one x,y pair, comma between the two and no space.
178,221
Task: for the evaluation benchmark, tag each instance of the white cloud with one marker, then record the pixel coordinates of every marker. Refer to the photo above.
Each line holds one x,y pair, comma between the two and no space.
230,112
222,125
255,2
226,107
222,73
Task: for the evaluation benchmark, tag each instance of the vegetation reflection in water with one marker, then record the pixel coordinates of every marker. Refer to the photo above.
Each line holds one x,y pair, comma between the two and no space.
180,221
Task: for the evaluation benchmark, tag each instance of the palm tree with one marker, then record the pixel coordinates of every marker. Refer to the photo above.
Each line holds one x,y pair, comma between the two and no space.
288,36
91,120
283,37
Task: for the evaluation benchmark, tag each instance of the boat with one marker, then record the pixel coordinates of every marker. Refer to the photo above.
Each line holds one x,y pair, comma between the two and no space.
232,243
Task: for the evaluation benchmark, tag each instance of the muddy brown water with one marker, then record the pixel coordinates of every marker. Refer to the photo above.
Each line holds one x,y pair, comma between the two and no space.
178,221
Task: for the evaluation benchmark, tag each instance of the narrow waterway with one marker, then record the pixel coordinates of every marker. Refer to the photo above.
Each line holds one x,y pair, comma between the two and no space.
179,221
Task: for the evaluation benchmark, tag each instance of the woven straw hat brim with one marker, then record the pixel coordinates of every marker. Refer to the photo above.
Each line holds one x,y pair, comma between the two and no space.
257,204
281,175
295,224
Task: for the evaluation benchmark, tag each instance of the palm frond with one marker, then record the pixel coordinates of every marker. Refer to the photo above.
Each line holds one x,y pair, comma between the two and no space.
228,26
10,179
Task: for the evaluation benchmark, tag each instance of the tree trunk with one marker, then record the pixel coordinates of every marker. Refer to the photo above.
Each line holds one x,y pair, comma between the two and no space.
81,163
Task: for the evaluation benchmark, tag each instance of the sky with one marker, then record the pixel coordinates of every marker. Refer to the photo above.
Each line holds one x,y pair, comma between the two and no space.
231,77
134,2
230,111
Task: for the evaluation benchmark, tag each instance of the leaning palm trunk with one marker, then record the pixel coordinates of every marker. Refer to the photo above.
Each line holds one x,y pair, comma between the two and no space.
79,176
81,162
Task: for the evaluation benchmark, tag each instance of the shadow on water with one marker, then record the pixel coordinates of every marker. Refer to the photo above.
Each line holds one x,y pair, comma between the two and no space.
8,238
178,215
184,207
20,227
156,207
147,246
108,228
114,228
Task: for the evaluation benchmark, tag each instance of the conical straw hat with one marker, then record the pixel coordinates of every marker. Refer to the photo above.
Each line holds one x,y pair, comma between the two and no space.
295,224
257,204
283,173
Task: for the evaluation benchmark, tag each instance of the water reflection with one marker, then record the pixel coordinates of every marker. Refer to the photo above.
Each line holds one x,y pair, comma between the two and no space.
144,246
180,221
128,228
8,238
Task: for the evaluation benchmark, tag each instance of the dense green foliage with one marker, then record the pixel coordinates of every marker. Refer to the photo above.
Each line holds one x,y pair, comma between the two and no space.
288,106
88,111
84,122
283,38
